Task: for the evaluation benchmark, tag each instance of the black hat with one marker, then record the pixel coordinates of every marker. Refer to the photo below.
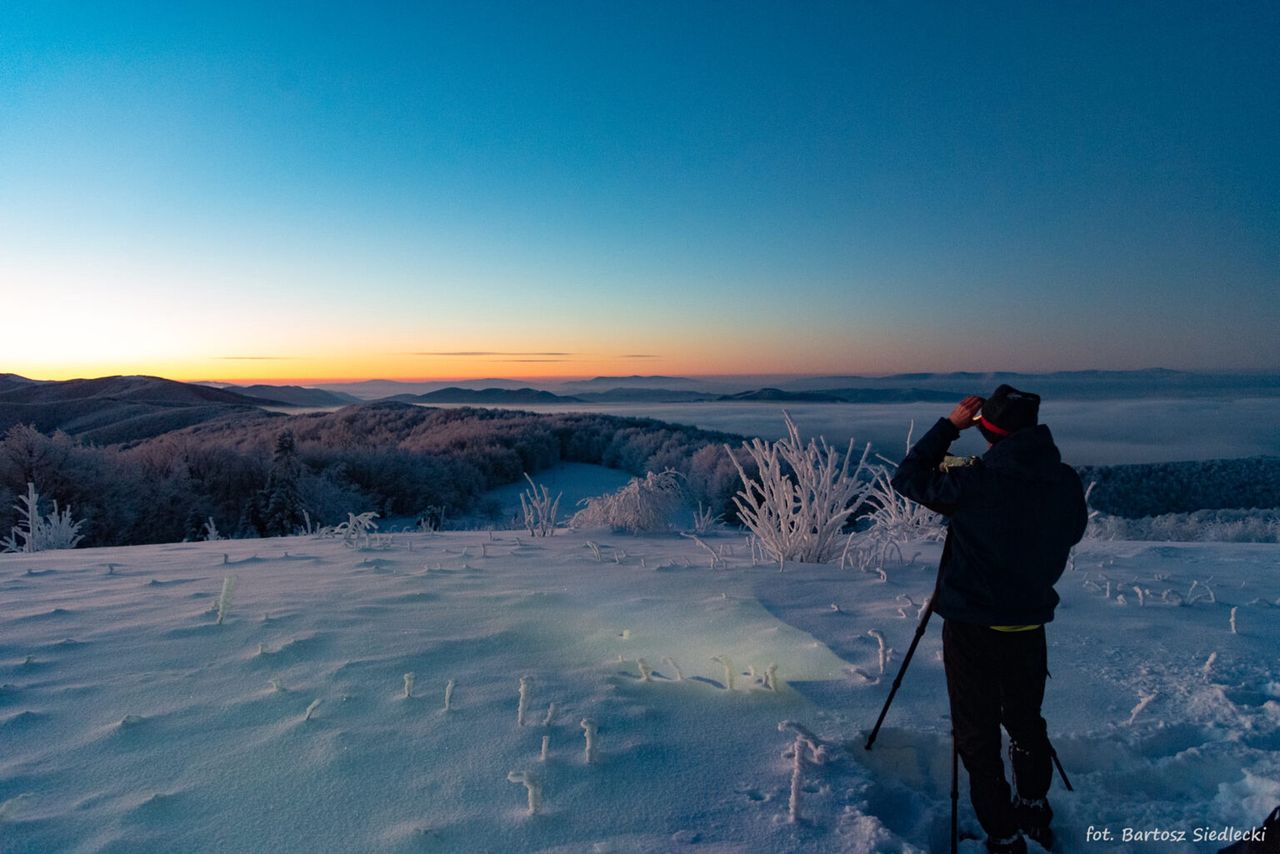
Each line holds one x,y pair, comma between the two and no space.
1007,411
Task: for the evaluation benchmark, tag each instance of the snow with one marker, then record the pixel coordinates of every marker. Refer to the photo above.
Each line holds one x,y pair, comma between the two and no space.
573,482
130,720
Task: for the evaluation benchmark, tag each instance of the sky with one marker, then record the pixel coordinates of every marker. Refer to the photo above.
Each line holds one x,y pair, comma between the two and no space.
326,191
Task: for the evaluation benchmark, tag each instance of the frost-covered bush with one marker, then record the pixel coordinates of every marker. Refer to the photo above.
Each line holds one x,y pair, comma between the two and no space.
539,510
893,521
705,520
896,518
36,533
211,532
798,506
1224,526
644,504
356,531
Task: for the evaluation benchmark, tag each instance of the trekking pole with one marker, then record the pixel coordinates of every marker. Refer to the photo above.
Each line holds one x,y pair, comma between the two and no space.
1061,773
915,642
906,660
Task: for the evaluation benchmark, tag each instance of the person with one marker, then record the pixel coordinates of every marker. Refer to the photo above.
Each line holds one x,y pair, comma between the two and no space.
1014,515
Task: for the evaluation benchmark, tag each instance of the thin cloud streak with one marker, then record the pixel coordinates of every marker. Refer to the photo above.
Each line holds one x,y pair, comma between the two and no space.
482,353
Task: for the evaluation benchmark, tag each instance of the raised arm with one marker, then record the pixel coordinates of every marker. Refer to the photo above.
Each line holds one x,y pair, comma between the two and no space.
918,476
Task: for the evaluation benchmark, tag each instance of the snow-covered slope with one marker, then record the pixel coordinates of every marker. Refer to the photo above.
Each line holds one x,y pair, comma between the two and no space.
130,720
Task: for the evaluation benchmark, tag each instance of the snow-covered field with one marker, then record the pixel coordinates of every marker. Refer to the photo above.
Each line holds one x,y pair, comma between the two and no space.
130,720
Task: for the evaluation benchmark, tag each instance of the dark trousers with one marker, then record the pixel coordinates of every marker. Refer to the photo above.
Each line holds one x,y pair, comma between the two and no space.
993,679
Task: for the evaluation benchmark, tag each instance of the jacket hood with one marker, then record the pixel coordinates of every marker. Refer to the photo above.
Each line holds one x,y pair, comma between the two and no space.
1029,450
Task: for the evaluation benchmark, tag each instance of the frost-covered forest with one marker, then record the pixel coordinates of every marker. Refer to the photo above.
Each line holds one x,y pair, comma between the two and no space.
394,459
273,477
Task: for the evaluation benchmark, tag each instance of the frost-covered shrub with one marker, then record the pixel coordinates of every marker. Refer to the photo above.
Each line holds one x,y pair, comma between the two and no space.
644,504
539,510
804,494
431,519
896,518
211,531
1226,526
36,533
356,532
893,521
705,520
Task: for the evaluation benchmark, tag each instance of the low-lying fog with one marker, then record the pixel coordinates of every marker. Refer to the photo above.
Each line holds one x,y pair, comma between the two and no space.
1089,433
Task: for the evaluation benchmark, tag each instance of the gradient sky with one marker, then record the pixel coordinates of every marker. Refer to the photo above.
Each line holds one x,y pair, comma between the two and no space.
314,190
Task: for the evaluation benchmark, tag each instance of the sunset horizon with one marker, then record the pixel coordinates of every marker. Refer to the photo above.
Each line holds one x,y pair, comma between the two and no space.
209,191
557,379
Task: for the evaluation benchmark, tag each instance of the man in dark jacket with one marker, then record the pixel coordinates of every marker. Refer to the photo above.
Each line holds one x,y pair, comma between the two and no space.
1014,516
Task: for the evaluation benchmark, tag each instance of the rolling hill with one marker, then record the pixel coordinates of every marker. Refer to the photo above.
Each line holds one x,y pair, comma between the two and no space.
110,410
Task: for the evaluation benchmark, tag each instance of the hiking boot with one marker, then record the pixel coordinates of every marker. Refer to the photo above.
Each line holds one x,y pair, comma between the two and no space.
1013,845
1033,818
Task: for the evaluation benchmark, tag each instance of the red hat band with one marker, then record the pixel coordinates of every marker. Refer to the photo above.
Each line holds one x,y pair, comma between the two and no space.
999,431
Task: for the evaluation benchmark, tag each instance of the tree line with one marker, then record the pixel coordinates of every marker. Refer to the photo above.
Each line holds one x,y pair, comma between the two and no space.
257,478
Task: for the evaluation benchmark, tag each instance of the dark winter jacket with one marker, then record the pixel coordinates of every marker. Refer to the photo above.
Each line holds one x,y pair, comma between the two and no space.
1014,517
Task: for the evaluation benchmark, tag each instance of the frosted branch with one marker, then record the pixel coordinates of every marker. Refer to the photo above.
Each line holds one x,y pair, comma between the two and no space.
803,496
531,786
1144,700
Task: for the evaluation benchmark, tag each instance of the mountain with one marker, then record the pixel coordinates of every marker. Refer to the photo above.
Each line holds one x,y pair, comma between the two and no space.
644,395
108,410
774,394
293,395
383,389
843,395
456,394
9,382
132,388
1074,385
634,381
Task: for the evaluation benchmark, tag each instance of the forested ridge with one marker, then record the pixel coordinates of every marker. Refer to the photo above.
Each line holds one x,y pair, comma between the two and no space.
392,458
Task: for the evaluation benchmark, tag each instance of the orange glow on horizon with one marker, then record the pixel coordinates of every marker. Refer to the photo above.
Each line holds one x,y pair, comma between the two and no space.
523,360
697,359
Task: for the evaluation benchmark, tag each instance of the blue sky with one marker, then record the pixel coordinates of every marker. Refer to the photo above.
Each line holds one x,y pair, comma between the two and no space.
346,191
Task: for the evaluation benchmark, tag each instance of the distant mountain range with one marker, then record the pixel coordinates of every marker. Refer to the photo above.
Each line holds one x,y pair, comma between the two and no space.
455,394
644,395
109,410
1083,385
522,396
386,389
847,395
295,395
613,384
